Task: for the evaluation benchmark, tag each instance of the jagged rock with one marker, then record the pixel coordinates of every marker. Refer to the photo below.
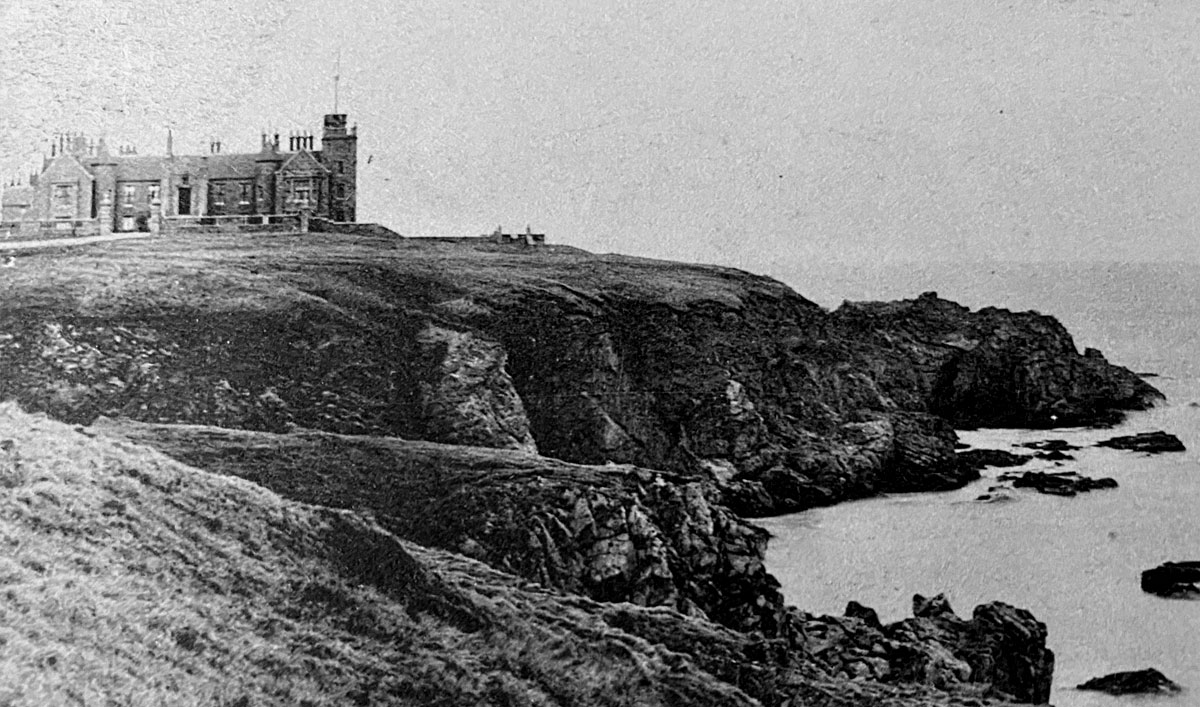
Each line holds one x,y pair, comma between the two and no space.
1149,442
1173,579
999,368
931,607
1133,682
1062,483
866,613
1001,649
925,457
1006,646
467,397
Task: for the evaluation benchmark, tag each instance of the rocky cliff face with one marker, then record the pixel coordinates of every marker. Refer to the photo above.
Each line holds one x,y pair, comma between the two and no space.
712,373
644,539
617,533
995,367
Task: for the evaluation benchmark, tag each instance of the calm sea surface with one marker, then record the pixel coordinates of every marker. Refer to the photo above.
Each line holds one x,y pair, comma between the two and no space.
1074,562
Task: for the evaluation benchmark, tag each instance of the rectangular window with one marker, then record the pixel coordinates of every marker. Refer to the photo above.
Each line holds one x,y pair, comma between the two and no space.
152,193
245,196
341,191
127,192
219,194
341,167
63,196
302,192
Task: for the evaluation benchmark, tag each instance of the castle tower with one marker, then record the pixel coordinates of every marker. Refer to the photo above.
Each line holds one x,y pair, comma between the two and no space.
266,197
339,153
104,188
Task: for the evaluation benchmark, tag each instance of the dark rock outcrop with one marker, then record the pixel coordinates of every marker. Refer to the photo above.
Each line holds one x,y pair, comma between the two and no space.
1133,682
1001,648
467,396
868,615
980,459
1062,483
1173,579
1149,442
999,368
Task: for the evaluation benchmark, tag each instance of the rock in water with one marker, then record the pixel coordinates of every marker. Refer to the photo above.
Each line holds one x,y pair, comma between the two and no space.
1149,442
1050,445
980,459
1132,682
1065,483
1172,579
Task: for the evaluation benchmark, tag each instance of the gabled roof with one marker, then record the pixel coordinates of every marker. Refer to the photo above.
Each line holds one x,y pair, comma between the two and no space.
304,162
65,165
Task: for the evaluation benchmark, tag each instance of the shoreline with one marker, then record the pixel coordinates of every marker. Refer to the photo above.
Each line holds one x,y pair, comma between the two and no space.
1075,628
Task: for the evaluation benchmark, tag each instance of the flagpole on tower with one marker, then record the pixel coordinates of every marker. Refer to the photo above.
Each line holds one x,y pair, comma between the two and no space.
337,76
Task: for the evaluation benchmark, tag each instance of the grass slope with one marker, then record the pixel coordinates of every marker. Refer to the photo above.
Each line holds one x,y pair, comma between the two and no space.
131,579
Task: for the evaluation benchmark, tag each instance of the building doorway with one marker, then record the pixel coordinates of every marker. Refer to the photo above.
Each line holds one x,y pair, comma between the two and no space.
184,207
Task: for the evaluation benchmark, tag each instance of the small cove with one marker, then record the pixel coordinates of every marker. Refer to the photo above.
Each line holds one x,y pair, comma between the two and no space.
1073,562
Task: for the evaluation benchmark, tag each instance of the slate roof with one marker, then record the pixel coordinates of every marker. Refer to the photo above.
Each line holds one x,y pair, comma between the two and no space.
233,166
130,169
219,166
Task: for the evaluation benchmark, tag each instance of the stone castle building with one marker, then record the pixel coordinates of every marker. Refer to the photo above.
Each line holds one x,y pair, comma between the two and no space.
85,188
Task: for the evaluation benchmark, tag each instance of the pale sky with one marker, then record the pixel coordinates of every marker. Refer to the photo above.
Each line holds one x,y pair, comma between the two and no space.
756,134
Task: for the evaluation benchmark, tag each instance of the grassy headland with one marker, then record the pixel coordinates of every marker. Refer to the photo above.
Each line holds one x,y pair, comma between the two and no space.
590,423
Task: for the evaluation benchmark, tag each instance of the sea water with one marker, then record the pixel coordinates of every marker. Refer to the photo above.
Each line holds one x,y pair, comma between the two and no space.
1074,562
